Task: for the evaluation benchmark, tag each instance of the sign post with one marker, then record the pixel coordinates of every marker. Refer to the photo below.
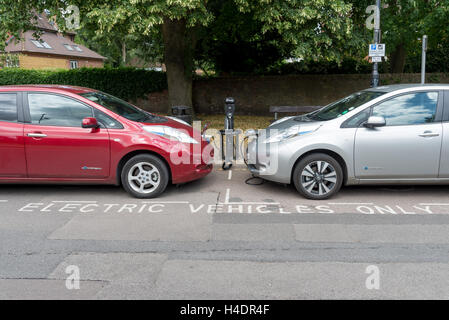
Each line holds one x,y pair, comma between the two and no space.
423,59
375,79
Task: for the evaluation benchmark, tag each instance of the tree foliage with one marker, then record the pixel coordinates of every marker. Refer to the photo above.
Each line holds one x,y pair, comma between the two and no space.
403,23
240,35
316,28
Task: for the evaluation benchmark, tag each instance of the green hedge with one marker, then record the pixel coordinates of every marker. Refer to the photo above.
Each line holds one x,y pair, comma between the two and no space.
125,83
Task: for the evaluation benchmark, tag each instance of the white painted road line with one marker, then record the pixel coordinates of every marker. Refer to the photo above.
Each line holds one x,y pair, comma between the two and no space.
3,200
74,201
227,195
230,175
166,202
258,203
350,203
434,204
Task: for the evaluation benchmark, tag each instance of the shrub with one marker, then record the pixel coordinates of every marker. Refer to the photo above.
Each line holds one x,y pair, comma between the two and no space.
125,83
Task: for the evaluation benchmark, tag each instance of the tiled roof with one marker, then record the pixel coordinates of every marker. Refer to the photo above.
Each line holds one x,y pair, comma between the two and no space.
54,39
43,23
56,42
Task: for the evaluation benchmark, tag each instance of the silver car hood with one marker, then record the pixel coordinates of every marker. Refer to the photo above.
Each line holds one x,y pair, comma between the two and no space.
294,121
304,123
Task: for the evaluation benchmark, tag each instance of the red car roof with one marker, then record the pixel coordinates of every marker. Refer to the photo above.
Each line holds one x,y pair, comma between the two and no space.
39,87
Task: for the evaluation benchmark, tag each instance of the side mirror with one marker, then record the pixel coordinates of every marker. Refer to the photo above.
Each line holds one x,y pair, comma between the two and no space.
374,122
90,123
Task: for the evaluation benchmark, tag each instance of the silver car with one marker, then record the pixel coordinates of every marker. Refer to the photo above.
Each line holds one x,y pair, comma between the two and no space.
384,135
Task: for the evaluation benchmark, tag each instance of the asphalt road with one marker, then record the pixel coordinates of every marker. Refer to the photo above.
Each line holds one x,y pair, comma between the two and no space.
218,238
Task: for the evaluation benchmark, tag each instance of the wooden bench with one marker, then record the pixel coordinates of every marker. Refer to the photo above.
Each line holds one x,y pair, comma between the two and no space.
292,109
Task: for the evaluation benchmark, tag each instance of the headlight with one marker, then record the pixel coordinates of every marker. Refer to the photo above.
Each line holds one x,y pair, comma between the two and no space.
288,133
179,120
281,120
170,133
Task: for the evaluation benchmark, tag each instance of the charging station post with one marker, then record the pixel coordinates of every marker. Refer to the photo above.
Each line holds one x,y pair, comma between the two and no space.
229,136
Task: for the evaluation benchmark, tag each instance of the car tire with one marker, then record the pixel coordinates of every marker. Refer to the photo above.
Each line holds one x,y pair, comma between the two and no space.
318,176
145,176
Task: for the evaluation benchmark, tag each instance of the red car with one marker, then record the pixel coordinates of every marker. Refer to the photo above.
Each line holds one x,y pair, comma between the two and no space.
66,134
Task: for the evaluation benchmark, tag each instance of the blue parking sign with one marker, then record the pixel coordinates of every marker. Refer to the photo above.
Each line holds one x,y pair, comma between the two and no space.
377,50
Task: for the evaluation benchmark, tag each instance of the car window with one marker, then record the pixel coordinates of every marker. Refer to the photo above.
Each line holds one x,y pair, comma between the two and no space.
106,121
55,110
8,107
117,106
343,106
408,109
357,120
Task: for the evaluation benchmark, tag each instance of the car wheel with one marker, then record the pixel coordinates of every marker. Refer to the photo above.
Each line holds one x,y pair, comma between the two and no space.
145,176
318,176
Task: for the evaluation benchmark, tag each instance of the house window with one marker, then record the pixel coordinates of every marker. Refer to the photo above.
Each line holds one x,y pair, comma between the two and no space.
9,60
41,44
68,47
46,45
73,64
78,48
37,43
12,62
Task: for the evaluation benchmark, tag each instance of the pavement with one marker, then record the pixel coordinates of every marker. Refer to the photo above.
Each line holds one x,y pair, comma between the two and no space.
220,238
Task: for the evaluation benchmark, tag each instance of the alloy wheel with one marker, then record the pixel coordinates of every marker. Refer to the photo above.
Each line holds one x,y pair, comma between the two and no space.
318,178
144,177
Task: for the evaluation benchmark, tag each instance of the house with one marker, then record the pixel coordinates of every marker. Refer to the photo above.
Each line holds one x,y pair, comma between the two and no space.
53,50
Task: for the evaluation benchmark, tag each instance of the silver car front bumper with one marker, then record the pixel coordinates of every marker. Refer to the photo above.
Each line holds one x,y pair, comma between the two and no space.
270,162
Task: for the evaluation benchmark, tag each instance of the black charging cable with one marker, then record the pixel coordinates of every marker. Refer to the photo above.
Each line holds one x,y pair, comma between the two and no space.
224,167
258,181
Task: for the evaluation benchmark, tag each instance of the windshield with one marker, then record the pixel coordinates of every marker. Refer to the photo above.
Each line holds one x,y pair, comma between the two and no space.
343,106
118,106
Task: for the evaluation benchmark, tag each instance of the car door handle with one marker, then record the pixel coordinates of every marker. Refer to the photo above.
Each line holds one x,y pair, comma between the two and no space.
36,135
428,134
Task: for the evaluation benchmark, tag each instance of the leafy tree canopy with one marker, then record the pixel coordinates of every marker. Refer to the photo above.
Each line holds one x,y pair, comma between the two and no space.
317,27
238,35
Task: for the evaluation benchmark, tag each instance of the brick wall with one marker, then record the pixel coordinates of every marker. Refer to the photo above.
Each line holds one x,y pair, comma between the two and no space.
254,95
90,63
40,61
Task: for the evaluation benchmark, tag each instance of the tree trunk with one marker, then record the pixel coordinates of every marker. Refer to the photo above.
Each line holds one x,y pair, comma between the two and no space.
178,58
124,52
398,59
